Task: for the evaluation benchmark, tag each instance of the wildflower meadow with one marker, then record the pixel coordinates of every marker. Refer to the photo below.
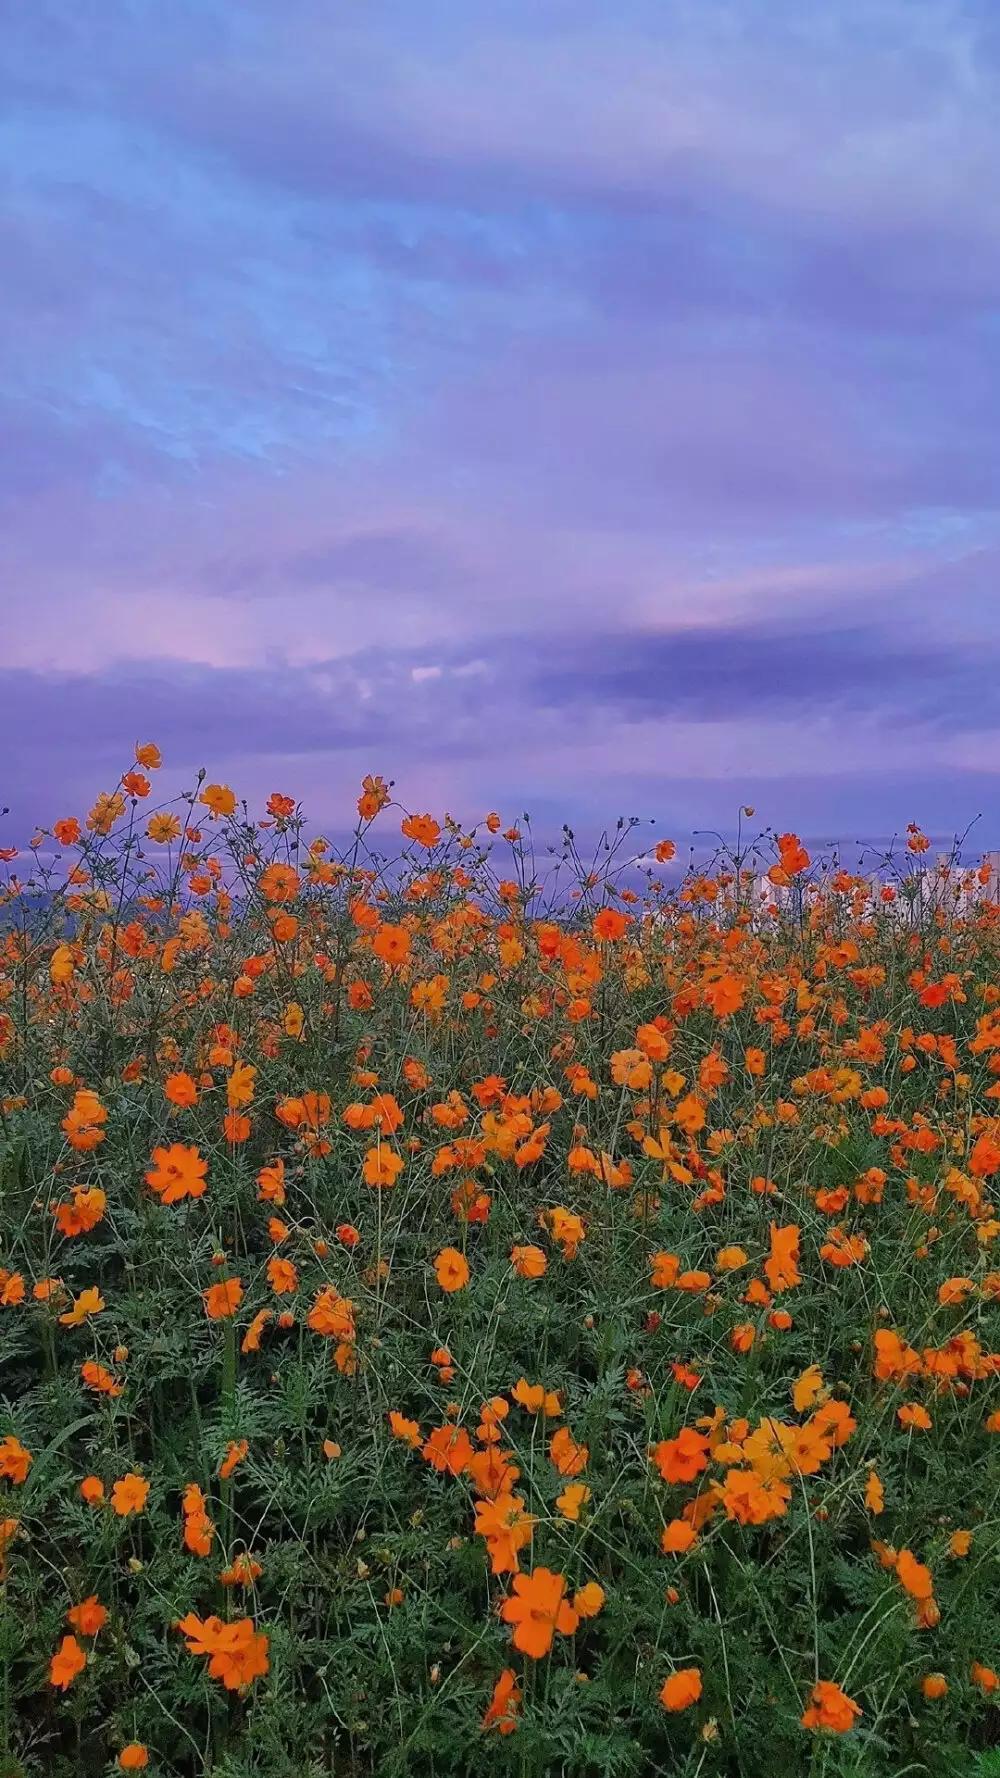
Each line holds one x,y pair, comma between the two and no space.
469,1307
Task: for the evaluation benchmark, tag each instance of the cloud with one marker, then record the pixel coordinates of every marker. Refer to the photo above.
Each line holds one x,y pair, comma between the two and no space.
549,396
606,714
709,674
834,110
407,557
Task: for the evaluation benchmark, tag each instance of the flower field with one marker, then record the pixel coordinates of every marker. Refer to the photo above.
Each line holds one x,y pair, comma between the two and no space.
467,1311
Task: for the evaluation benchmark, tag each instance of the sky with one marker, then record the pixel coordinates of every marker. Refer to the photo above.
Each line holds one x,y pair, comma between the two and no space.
582,409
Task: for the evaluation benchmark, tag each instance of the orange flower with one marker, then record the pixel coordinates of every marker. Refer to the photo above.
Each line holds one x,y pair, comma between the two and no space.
240,1086
538,1608
382,1166
683,1458
392,945
96,1377
506,1528
92,1490
82,1123
223,1300
842,1249
955,1290
218,799
451,1270
572,1500
271,1183
528,1262
83,1213
406,1430
237,1654
536,1399
374,796
449,1450
874,1493
630,1068
8,1531
252,1338
63,965
134,1757
67,1663
834,1421
984,1159
568,1456
243,1571
665,1272
677,1537
781,1267
681,1689
15,1461
566,1229
501,1712
986,1679
422,828
689,1114
492,1414
492,1472
914,1576
88,1617
89,1302
807,1388
177,1172
12,1289
282,1276
588,1601
752,1501
198,1527
180,1090
725,995
730,1259
129,1495
684,1375
609,925
279,882
236,1450
332,1315
893,1357
831,1709
106,811
792,855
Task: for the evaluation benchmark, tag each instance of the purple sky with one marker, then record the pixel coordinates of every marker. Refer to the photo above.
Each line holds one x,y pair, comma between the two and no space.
554,405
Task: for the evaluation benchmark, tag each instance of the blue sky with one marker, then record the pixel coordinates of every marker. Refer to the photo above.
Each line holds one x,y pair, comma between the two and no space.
586,409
